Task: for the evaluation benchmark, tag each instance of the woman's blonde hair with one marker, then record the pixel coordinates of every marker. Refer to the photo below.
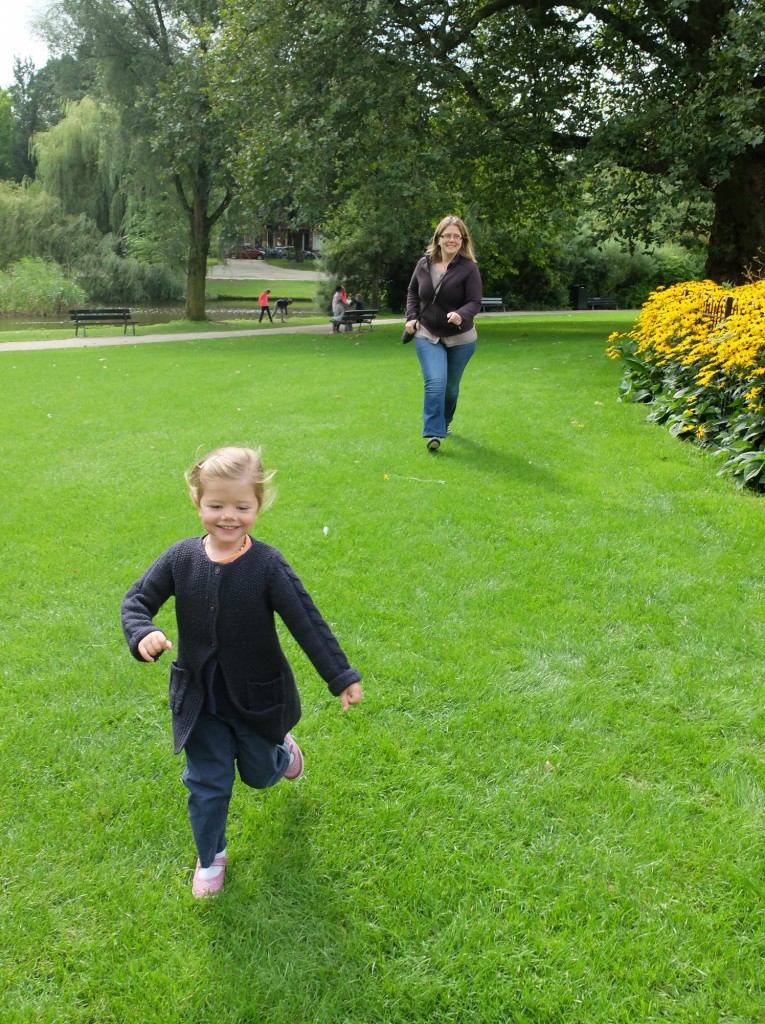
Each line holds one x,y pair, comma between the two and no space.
231,463
433,251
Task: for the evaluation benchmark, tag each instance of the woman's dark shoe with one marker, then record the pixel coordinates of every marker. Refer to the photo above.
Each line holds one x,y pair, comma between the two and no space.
434,443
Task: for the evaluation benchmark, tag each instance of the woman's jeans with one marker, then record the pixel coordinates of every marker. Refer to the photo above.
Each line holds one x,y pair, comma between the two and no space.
442,370
215,745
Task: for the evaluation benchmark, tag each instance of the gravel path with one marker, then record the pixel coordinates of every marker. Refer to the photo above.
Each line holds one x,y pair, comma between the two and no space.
243,270
125,340
121,341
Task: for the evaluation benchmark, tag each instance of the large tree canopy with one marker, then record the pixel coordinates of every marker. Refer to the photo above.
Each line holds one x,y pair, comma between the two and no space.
372,119
499,99
687,105
7,135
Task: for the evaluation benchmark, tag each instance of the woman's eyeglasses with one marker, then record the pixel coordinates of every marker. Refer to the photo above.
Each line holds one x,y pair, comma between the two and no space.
456,238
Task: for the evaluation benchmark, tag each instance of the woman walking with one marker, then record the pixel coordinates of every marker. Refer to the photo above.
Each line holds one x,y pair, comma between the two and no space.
443,298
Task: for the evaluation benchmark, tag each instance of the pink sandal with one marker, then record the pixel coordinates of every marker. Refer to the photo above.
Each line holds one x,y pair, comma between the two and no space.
210,886
295,767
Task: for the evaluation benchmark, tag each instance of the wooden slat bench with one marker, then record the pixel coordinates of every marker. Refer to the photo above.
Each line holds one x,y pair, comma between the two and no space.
492,303
720,309
358,318
602,303
106,315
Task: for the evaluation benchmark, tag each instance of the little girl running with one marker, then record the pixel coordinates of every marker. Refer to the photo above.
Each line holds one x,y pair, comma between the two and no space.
232,692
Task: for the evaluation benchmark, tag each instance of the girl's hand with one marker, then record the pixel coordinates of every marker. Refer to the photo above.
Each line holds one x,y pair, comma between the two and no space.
411,326
454,318
352,695
153,644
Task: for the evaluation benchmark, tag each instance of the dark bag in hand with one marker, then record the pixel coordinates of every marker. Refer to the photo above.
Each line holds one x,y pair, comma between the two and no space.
406,337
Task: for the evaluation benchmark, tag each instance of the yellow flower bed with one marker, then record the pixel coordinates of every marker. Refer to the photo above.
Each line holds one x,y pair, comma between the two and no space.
703,374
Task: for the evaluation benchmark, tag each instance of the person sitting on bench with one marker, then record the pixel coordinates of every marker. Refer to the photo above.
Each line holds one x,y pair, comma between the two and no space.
339,305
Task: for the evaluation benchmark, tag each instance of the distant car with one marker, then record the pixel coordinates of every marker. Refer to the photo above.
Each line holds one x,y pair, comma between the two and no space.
246,252
288,253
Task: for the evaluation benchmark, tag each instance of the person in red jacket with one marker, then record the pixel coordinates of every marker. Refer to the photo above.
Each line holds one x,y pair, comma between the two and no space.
264,307
444,296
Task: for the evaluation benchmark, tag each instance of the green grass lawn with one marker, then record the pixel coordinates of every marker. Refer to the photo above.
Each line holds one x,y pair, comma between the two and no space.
549,807
302,292
300,317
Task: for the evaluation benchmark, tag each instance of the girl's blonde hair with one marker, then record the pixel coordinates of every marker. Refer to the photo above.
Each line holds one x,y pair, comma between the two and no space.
433,251
231,463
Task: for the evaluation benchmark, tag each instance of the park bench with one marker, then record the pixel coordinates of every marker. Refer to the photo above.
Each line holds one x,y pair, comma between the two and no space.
492,303
602,303
720,309
113,315
358,318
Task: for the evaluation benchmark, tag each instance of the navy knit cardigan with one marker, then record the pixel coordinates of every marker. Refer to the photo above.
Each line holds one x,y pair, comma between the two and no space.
225,613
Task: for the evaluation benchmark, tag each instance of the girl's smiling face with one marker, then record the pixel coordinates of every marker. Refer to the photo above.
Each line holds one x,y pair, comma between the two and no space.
228,509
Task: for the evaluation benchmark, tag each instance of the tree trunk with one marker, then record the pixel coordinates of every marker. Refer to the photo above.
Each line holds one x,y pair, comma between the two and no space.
199,248
376,272
737,240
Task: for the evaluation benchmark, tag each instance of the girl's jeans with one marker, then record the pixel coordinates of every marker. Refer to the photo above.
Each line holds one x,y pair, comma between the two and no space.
215,744
442,370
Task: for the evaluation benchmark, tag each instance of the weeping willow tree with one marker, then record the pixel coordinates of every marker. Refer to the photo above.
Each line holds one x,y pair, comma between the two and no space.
88,163
151,60
82,160
33,223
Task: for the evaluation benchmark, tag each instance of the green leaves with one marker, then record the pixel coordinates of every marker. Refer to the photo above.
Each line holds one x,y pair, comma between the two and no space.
37,286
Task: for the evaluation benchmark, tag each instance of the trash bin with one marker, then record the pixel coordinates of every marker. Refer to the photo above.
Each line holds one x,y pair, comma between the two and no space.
578,301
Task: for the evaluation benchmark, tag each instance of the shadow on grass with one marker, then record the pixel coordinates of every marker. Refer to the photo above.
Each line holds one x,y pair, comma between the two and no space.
505,463
277,936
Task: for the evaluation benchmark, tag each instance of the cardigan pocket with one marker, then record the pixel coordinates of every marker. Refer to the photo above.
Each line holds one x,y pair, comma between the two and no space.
179,685
265,707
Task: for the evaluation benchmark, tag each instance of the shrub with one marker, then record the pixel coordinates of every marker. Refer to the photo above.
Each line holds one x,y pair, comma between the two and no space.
533,271
108,275
33,223
37,286
630,274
